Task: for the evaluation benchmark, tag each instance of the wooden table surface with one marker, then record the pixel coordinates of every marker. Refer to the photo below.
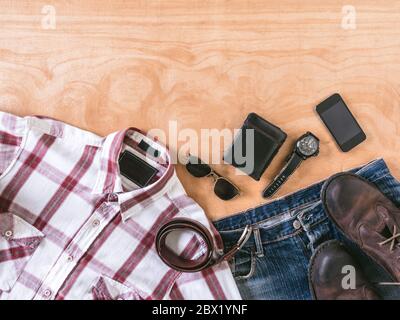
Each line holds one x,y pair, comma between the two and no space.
107,65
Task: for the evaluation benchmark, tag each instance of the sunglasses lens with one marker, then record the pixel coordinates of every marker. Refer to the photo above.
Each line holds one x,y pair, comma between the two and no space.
225,190
196,168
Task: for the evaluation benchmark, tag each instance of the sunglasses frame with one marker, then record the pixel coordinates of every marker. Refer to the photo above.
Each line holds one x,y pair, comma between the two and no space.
216,176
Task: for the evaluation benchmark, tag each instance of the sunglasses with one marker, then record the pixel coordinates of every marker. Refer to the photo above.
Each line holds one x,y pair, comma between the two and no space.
223,188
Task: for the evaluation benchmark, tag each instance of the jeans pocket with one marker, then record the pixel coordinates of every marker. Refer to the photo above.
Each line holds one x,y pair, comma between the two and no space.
243,265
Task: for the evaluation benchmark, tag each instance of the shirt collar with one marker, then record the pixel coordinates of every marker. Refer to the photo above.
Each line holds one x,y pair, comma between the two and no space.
108,178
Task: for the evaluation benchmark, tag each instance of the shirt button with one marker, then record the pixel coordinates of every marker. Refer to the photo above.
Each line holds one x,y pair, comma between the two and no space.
96,223
70,258
47,293
112,197
296,224
33,244
8,234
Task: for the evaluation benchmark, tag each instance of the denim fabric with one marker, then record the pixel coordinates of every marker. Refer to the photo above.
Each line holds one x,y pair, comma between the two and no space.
274,262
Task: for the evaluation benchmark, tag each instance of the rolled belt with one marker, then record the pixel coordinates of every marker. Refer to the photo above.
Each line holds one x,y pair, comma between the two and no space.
210,258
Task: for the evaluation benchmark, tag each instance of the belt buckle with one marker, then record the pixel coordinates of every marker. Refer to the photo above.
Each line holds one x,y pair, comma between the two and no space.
239,245
244,237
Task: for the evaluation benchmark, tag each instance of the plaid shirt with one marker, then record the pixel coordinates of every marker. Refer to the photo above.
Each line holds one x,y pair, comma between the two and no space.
73,227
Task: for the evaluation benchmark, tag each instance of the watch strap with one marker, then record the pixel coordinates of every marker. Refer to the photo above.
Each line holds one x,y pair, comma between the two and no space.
292,164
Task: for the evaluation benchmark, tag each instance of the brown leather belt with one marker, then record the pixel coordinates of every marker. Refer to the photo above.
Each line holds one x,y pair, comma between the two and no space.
209,258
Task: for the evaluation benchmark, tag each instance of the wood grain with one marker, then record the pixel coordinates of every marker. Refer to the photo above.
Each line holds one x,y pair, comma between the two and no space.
207,64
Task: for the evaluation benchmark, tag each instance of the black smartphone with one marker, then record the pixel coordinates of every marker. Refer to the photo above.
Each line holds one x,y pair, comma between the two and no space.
341,122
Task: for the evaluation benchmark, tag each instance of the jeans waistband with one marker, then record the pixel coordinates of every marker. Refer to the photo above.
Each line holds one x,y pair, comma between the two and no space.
293,202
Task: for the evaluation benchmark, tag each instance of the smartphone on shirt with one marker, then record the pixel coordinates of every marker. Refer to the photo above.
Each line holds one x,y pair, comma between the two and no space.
340,122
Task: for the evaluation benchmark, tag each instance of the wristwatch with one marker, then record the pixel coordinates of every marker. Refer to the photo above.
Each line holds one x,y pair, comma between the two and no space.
306,146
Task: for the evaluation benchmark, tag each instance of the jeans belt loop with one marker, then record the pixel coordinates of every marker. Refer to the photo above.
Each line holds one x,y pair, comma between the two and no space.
257,239
300,219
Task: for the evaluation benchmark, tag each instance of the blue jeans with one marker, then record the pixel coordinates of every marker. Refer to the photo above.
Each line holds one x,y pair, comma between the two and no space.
274,262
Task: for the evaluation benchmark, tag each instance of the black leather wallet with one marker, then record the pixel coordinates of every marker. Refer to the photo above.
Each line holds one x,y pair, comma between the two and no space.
254,159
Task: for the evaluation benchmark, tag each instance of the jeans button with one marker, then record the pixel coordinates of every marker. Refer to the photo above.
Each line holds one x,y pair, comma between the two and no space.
296,224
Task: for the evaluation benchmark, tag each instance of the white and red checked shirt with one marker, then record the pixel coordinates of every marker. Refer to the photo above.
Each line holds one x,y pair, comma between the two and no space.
72,227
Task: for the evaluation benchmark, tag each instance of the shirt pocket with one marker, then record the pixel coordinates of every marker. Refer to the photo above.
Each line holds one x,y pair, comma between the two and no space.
109,289
18,242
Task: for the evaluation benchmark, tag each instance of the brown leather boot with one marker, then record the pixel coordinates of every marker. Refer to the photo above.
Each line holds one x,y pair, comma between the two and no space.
365,216
326,275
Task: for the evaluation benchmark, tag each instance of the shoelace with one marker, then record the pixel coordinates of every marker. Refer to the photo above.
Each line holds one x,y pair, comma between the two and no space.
392,239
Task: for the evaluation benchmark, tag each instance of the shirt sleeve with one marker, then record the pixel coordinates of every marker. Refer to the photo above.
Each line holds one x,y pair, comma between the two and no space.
12,130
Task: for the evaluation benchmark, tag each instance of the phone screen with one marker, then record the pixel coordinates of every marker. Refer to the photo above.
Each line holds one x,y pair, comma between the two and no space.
341,122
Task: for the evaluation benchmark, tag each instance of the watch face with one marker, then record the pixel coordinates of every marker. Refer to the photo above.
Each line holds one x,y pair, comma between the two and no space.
308,145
